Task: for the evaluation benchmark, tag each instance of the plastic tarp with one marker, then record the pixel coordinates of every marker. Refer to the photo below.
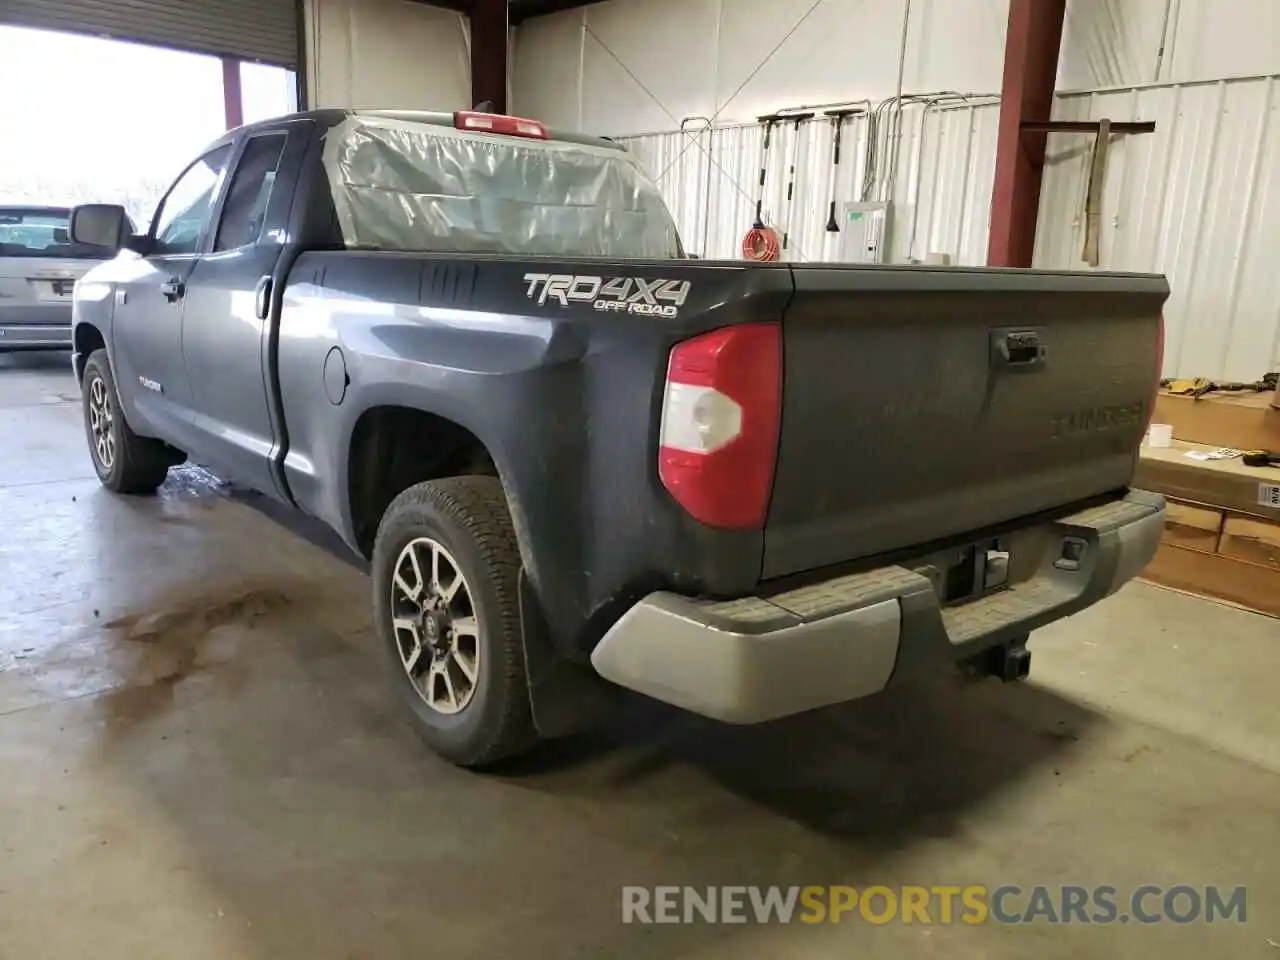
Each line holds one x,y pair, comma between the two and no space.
408,185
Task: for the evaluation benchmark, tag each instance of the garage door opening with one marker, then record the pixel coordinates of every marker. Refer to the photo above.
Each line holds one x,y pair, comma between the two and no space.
114,122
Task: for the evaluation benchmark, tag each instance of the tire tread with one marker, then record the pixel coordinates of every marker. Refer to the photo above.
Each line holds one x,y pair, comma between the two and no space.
142,463
478,505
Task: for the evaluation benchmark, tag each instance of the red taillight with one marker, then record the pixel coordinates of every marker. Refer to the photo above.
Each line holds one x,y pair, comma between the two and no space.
1155,392
500,123
720,421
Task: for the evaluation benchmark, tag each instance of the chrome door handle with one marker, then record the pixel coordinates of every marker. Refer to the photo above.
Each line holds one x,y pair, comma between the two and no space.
262,297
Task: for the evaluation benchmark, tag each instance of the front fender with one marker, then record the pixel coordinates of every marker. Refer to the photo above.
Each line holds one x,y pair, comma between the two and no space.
93,308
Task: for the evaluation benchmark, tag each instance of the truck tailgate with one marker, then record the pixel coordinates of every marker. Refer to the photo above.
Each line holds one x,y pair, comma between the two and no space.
921,404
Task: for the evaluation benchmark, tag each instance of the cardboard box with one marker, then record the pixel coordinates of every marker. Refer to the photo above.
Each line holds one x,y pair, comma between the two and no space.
1224,484
1192,527
1245,421
1255,541
1215,553
1213,574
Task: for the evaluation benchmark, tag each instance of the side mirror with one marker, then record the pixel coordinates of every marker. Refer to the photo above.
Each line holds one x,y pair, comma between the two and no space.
100,225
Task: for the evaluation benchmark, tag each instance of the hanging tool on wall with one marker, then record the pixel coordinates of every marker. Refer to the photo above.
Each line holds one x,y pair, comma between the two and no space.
761,242
796,121
1103,130
837,134
1093,198
708,128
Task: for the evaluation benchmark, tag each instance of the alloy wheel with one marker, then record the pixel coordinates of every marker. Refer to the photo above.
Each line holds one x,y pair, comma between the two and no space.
101,420
434,618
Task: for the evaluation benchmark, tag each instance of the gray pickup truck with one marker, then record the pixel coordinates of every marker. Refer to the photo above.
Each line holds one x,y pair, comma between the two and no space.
580,460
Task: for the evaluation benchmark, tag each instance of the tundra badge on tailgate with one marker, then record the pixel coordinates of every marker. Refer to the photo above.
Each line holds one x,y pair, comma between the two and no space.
656,298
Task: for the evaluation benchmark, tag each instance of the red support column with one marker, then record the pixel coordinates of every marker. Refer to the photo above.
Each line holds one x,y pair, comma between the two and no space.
232,98
1030,70
489,54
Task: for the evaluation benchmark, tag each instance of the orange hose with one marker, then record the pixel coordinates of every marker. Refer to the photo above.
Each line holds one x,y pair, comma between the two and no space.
761,244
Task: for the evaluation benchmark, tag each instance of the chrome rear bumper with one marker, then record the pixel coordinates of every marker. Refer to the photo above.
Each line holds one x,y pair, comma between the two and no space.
755,659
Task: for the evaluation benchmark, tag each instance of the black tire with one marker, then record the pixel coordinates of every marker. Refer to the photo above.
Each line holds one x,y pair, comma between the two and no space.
468,517
134,464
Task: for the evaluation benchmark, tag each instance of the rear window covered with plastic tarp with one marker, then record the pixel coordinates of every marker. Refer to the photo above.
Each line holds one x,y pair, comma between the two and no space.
407,185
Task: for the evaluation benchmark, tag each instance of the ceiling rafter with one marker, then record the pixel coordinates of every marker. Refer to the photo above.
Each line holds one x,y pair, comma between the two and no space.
519,10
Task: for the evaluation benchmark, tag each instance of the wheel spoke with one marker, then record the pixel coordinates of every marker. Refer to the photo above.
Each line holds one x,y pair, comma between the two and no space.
435,569
447,594
466,665
448,685
411,591
466,627
410,660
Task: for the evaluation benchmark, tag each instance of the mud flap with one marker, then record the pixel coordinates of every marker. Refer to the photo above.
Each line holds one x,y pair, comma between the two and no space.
565,697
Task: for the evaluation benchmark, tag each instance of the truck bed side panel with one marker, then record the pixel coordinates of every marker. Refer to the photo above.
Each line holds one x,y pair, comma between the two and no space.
566,398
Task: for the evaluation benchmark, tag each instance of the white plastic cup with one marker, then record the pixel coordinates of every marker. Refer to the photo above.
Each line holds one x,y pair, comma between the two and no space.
1160,435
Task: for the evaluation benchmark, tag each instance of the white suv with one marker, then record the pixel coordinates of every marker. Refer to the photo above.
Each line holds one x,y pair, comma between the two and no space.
39,266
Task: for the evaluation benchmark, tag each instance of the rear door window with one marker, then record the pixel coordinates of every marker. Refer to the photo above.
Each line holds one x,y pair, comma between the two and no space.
250,190
42,232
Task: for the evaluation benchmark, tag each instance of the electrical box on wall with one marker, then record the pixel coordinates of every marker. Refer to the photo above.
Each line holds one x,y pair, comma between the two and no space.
863,231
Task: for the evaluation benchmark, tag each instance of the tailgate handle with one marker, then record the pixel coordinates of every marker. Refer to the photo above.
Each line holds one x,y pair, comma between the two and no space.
1017,349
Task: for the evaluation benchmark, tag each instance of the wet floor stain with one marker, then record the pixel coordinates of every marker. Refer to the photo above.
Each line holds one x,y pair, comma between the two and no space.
190,618
189,481
205,632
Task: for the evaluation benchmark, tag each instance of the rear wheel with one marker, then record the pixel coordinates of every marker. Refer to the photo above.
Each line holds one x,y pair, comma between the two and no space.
124,461
445,572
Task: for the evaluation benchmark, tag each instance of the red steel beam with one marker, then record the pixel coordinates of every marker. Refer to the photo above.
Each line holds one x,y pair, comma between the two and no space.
489,54
1030,69
232,98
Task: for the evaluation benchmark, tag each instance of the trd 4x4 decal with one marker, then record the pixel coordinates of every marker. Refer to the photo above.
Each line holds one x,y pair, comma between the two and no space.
656,298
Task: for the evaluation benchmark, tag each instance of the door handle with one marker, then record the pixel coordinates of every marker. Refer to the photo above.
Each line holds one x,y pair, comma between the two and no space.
173,289
262,298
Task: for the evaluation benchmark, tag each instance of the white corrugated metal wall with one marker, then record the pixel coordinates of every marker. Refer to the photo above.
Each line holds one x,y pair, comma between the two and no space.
939,186
628,67
386,53
1198,200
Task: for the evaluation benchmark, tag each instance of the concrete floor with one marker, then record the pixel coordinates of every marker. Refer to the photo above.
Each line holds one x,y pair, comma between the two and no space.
224,774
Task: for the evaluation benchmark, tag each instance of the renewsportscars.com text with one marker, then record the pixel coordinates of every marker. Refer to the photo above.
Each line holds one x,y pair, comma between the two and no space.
970,904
